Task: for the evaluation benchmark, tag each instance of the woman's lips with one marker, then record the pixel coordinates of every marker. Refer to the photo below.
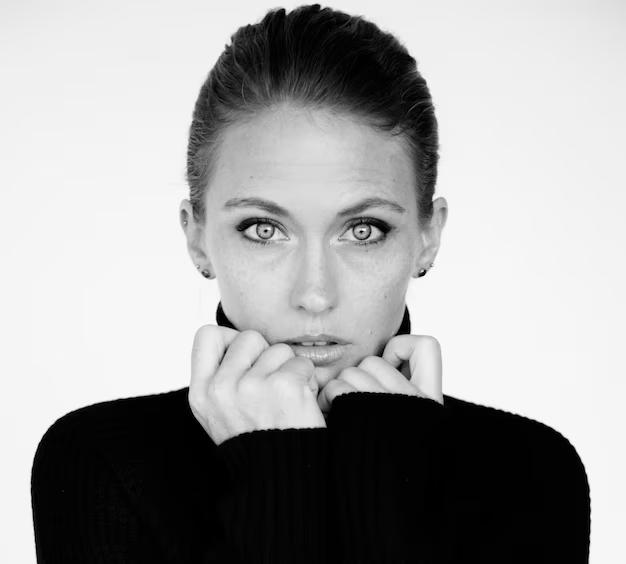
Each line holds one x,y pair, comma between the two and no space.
320,355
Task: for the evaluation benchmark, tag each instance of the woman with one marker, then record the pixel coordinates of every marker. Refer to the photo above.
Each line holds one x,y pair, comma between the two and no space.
312,164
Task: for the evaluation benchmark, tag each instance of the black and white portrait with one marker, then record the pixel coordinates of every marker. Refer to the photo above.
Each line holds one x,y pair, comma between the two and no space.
313,283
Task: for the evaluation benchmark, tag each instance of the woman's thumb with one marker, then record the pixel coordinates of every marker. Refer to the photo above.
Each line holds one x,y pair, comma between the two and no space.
313,384
303,367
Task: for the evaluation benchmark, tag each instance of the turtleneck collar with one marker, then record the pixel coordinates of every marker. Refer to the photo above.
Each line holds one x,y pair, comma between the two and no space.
223,321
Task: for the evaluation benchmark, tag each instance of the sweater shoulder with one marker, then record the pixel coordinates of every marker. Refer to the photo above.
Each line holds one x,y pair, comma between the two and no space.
130,470
489,429
129,415
130,434
482,417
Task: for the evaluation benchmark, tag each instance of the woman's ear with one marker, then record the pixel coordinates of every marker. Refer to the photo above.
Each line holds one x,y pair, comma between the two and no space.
194,234
431,235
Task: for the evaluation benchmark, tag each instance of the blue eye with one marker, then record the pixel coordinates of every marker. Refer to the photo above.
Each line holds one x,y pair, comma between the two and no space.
381,225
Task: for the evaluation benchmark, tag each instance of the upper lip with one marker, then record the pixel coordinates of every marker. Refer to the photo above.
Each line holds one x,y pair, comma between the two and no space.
317,338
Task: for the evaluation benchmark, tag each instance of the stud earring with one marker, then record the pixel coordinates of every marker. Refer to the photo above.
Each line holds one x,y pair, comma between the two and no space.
423,271
205,273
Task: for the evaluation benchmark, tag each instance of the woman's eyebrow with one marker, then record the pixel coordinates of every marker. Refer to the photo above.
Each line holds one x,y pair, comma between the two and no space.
274,208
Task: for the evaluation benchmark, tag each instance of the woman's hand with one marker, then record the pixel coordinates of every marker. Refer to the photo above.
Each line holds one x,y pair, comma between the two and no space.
419,357
239,383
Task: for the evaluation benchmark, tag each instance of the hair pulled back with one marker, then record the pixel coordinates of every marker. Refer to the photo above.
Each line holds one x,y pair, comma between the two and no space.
315,59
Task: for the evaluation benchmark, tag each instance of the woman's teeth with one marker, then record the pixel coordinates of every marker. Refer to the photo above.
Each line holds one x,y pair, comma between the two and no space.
316,344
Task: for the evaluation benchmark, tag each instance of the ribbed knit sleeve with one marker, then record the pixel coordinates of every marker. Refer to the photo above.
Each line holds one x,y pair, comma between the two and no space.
385,467
81,512
274,510
412,484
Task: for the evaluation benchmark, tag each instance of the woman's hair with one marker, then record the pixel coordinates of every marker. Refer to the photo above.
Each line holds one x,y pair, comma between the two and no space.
315,58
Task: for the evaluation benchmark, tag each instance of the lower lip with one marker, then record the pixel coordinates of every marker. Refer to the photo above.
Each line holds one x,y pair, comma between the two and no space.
321,355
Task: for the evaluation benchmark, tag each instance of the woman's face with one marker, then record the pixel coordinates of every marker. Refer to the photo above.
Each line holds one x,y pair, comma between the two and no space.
313,275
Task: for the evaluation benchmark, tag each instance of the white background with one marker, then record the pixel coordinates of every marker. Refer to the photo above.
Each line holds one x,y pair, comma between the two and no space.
100,299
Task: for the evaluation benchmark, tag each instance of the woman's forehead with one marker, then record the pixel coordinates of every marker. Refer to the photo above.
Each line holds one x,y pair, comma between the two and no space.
287,147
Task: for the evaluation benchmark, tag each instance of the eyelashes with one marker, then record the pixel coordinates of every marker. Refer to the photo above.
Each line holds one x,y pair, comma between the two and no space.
381,225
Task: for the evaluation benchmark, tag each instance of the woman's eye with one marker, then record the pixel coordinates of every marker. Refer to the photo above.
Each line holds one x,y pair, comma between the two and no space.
364,230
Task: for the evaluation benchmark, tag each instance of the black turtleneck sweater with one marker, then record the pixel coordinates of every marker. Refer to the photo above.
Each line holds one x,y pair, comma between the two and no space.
392,478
